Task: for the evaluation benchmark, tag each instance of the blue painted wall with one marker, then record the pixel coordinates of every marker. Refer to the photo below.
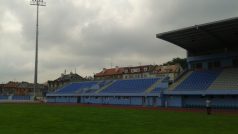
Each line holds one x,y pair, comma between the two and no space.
194,101
136,101
216,101
153,101
169,101
173,101
60,99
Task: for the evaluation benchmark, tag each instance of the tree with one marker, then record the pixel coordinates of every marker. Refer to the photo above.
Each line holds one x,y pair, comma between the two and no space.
182,62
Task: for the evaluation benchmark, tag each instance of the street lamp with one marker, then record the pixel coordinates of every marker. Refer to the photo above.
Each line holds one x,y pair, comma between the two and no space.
37,3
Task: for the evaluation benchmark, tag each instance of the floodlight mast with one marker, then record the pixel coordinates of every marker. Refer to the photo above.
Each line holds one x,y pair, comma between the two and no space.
37,3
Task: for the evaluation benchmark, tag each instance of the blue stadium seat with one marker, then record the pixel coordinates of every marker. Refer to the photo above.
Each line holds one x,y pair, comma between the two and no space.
130,86
73,87
198,80
103,83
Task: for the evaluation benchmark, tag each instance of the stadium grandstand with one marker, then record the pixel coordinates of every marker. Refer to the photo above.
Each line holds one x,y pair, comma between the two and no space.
212,56
212,74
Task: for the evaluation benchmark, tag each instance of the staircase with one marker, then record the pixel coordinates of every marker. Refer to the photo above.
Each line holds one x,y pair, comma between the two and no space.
228,79
105,87
152,87
178,82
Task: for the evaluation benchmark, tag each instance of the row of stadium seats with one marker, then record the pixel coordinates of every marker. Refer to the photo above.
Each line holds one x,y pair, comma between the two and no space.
103,83
198,80
76,87
228,79
130,86
119,86
83,87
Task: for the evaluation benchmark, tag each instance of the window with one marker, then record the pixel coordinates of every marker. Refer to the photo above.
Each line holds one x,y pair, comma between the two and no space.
214,64
211,97
126,98
193,66
217,64
145,69
235,62
135,70
210,65
199,66
202,96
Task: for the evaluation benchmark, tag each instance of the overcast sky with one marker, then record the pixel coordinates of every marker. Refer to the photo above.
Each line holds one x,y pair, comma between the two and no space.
92,34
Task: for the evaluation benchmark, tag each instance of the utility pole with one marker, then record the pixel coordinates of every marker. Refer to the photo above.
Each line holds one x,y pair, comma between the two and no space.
36,3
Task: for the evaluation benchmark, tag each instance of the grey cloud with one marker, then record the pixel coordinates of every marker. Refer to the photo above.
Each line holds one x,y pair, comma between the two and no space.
90,35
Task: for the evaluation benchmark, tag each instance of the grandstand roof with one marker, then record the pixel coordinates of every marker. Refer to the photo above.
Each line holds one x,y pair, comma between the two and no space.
208,36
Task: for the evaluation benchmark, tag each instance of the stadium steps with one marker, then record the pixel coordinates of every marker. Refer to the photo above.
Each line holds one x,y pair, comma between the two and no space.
153,86
105,87
174,85
228,79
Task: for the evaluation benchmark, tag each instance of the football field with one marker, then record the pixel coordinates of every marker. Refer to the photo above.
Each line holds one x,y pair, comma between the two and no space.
61,119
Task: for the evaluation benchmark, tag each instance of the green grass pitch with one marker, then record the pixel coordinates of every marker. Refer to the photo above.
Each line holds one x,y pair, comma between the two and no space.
56,119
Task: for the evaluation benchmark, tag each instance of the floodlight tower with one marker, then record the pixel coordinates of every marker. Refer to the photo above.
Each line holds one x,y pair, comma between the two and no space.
36,3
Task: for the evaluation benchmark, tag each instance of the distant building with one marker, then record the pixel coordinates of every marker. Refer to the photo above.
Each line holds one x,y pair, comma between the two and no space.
21,89
64,79
112,73
1,87
171,71
138,71
144,71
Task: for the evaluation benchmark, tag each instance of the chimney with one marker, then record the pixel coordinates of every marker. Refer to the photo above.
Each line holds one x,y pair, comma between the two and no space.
104,70
117,68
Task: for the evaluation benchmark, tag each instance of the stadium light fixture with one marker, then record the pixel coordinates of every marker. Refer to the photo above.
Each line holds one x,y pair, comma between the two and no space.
36,3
